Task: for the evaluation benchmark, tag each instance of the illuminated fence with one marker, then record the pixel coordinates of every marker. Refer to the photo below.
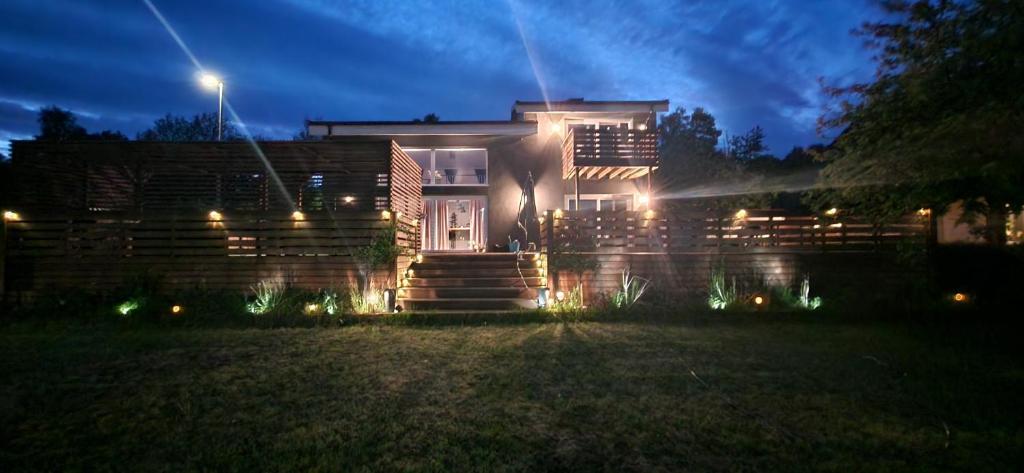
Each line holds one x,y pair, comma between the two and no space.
677,249
204,214
691,231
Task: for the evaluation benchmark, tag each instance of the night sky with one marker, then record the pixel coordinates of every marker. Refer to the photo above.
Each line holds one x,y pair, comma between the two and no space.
115,65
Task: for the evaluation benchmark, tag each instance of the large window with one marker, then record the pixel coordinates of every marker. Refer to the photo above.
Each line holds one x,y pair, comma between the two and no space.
451,166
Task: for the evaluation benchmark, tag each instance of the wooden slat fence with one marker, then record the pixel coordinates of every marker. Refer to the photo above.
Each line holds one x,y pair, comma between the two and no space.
691,231
206,214
677,249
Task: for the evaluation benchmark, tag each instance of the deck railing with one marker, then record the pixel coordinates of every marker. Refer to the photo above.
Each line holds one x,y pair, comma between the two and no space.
608,147
694,231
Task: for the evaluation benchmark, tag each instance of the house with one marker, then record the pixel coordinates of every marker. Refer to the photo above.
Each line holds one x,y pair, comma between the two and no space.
474,172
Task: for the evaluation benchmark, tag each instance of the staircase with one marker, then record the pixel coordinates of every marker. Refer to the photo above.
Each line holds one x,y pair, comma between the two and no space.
471,282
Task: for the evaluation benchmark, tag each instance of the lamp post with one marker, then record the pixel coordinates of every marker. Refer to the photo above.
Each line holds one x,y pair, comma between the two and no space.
211,81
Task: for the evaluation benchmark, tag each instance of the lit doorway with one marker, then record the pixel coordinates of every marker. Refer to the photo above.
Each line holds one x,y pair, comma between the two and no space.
454,223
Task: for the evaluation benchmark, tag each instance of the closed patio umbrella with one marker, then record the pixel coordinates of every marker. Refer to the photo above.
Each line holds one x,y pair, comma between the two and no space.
527,219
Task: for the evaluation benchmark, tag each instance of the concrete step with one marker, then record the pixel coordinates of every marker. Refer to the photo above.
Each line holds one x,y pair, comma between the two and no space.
487,281
467,293
473,272
467,304
472,256
483,263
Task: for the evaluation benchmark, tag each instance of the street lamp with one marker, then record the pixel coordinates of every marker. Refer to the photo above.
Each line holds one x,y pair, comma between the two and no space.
211,81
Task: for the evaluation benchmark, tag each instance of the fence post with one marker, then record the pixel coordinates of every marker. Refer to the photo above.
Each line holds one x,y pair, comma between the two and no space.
549,219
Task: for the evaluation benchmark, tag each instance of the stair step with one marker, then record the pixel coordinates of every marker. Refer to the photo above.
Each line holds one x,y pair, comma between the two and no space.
498,264
468,293
489,281
467,304
471,256
471,272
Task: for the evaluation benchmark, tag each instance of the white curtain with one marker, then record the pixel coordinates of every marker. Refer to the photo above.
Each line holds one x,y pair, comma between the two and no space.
440,215
478,223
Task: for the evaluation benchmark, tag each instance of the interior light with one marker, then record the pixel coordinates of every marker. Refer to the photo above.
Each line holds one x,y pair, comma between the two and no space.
297,215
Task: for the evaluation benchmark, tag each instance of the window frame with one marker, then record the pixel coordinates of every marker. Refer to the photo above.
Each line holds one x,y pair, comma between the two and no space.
433,164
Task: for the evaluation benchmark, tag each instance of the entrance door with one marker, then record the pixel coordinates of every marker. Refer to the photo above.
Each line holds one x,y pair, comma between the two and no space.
454,223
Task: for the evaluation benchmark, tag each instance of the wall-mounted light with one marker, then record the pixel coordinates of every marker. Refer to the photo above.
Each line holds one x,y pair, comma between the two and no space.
348,199
298,216
558,213
555,127
642,127
832,212
385,214
11,216
741,214
176,309
215,216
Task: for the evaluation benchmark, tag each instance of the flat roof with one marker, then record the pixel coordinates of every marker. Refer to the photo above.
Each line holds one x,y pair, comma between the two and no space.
580,105
401,128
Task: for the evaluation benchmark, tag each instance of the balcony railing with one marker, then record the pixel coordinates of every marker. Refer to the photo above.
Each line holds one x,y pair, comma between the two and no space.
609,152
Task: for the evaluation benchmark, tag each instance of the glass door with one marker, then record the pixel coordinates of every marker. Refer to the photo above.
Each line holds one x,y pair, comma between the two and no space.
454,224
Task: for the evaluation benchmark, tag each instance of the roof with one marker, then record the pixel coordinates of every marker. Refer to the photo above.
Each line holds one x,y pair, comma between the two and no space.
401,128
580,105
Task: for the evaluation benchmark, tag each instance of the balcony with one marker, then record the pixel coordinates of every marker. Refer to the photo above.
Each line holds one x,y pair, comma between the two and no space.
609,153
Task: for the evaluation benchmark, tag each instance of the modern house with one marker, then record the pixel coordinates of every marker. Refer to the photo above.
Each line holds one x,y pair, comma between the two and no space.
474,172
226,215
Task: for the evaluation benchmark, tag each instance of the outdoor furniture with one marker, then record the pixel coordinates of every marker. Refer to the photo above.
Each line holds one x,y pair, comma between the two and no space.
481,176
449,176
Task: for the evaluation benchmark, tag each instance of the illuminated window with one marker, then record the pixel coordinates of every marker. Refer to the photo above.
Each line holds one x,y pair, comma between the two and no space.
451,166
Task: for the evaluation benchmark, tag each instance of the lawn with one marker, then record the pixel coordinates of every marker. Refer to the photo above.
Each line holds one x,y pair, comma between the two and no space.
737,394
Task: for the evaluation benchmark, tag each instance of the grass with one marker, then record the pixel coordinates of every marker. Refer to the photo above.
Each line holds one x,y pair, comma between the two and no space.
736,393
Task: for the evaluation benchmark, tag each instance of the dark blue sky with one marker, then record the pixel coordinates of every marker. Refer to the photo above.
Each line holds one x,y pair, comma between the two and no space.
113,63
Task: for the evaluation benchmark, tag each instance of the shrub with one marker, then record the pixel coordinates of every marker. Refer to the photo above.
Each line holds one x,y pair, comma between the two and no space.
366,302
720,295
632,289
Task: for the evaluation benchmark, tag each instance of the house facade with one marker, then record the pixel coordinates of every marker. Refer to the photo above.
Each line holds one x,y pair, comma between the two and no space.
474,172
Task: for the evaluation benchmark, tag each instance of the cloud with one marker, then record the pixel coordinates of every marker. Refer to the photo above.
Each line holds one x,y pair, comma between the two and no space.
749,63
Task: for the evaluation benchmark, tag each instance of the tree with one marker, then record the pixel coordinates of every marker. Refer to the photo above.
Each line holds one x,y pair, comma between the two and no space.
749,146
428,118
941,122
58,124
687,147
202,127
